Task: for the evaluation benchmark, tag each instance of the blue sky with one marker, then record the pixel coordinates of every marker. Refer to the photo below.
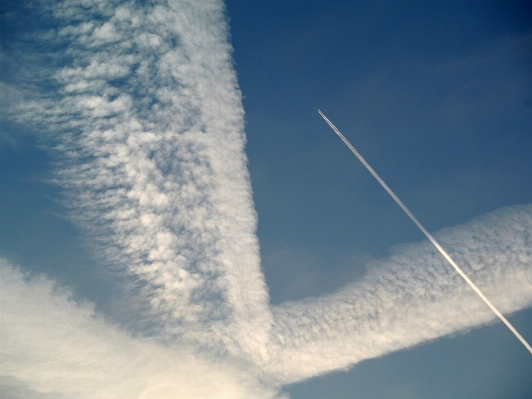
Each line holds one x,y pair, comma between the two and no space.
124,185
424,91
393,82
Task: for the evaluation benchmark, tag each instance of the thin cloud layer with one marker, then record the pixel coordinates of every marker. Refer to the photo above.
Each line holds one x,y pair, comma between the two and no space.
142,110
53,347
148,119
411,297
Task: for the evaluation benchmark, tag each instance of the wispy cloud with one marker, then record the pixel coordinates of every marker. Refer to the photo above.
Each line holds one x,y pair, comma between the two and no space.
141,107
53,347
149,118
409,298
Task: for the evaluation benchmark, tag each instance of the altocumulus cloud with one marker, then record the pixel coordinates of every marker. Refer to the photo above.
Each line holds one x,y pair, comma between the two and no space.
142,110
53,347
148,125
411,297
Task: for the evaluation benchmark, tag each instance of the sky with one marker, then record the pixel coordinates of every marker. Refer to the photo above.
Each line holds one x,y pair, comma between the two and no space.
177,221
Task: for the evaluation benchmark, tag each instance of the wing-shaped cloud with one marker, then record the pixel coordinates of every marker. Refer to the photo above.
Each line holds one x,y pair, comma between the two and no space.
409,298
53,347
149,124
144,116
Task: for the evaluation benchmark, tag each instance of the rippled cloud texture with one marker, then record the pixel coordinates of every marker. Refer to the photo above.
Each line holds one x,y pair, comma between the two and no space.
144,115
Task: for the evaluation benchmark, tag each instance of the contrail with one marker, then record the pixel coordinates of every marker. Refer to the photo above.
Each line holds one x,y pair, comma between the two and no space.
429,236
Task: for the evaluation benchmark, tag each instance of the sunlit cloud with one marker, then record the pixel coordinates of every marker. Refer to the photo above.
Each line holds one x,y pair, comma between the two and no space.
411,297
145,119
55,347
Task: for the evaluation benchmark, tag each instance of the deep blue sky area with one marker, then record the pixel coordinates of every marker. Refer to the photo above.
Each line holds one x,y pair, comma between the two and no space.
437,97
35,229
434,95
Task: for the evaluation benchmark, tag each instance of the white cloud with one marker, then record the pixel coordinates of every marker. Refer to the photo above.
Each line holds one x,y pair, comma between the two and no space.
152,127
54,347
410,298
148,131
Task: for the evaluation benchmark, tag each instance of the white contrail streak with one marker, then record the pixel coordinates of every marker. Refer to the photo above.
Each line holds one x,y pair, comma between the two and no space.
429,236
